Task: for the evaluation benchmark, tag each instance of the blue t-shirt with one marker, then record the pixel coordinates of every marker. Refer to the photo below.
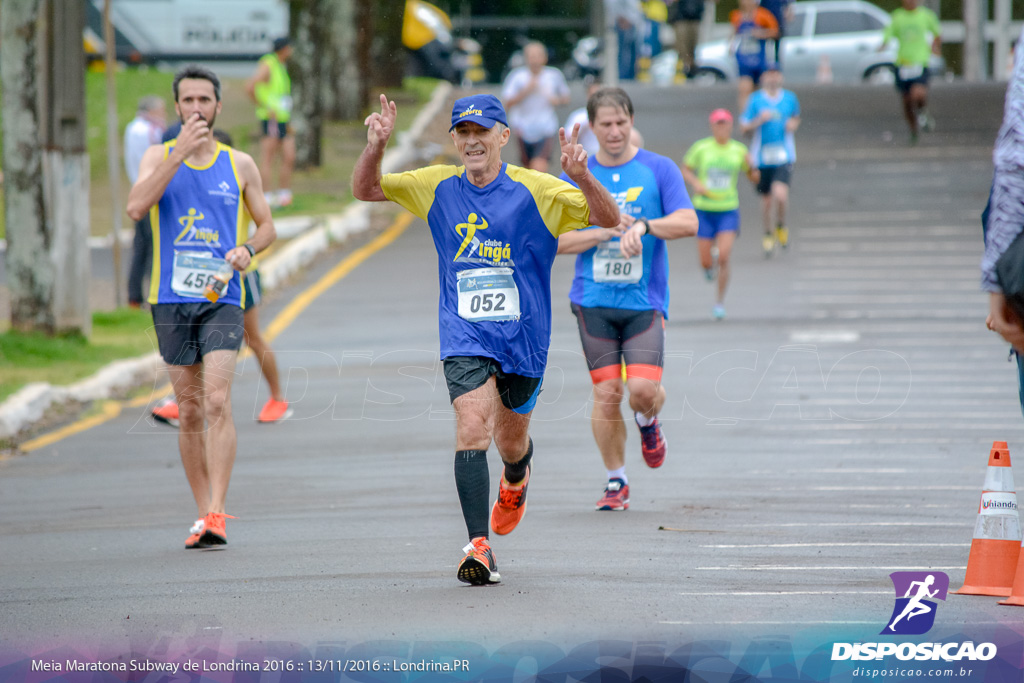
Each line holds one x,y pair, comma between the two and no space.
772,144
198,220
648,185
495,248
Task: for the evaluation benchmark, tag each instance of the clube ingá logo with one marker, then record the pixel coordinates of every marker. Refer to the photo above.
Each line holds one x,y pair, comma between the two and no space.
914,611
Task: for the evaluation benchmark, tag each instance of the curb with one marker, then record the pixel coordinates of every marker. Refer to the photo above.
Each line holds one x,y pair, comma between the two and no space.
316,233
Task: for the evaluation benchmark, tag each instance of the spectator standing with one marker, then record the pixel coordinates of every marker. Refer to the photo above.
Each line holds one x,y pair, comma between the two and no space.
144,130
1004,217
627,18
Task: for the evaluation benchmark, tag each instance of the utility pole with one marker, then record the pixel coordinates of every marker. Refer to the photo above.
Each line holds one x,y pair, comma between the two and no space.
975,13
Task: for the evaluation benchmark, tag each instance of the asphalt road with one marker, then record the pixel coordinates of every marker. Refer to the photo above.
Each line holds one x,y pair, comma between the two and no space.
833,429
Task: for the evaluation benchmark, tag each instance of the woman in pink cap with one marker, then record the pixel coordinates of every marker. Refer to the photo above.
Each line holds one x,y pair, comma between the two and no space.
711,167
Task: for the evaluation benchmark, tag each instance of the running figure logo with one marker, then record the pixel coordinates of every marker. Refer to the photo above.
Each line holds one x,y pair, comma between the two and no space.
915,587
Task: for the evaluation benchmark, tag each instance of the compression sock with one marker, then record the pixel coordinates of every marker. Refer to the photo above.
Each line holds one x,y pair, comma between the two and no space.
473,483
515,473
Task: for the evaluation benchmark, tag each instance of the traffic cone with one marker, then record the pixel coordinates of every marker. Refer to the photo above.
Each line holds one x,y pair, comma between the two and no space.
1017,594
997,538
824,74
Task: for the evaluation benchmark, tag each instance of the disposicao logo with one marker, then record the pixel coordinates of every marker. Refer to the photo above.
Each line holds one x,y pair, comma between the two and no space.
914,614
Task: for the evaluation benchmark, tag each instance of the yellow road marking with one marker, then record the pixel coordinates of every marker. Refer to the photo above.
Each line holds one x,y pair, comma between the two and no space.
286,317
109,410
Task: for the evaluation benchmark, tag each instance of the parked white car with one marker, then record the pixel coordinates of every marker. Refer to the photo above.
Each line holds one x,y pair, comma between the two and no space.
846,32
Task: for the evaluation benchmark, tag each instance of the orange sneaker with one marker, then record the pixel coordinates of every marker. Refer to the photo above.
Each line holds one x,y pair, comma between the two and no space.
275,411
214,530
166,412
478,566
511,504
196,532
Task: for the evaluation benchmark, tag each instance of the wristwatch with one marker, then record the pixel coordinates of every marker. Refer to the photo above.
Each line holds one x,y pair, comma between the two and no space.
647,225
251,249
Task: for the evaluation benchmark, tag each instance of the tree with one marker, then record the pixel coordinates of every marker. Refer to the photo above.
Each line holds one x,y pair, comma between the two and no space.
46,195
345,90
387,52
310,22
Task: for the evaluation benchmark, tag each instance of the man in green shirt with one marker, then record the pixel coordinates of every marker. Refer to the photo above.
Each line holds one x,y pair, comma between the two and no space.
917,30
271,89
711,167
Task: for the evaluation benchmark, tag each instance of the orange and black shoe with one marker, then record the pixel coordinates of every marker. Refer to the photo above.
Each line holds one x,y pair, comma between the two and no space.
166,412
510,507
653,444
214,530
195,533
478,566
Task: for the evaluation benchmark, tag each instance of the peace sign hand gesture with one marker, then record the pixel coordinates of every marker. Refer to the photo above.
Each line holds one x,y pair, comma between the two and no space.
574,157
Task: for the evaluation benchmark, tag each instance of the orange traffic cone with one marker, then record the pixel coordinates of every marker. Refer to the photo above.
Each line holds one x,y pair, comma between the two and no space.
1017,594
997,538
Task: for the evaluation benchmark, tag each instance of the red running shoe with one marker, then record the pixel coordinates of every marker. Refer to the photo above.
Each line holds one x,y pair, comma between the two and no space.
653,444
616,496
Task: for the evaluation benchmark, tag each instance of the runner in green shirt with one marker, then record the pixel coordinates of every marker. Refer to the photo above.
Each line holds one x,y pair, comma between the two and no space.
911,26
711,167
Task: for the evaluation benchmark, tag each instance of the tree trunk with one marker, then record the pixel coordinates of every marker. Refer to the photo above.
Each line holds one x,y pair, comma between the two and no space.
345,91
30,273
387,52
310,26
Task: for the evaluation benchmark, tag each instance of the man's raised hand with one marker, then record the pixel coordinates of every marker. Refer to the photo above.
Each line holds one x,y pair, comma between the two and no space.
574,157
379,127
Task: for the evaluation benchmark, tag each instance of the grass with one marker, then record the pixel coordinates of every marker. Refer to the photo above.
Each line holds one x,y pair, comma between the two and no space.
317,190
34,357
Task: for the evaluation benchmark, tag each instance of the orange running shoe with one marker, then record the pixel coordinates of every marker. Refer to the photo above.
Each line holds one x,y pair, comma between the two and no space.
196,532
511,504
214,530
166,412
478,566
275,411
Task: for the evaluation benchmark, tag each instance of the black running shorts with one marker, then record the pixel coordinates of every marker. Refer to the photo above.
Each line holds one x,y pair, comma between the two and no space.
466,373
773,174
187,332
613,335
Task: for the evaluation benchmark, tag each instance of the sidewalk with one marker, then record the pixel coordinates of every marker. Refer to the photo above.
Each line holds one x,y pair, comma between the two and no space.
305,237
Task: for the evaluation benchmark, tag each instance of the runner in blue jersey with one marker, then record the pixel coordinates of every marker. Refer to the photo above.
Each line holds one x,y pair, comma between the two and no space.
495,227
620,292
773,115
196,192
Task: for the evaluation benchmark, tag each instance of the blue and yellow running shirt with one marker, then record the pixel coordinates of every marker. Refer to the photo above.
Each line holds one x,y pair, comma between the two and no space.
199,219
648,185
772,144
495,248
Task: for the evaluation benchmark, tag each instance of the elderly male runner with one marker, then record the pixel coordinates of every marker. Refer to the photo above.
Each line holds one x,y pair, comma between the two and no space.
620,292
196,191
495,227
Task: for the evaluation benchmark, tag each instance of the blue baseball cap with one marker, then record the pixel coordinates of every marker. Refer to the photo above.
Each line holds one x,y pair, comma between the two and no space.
483,109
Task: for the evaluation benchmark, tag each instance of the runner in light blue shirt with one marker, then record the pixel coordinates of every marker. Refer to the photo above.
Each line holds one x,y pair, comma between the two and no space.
772,116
